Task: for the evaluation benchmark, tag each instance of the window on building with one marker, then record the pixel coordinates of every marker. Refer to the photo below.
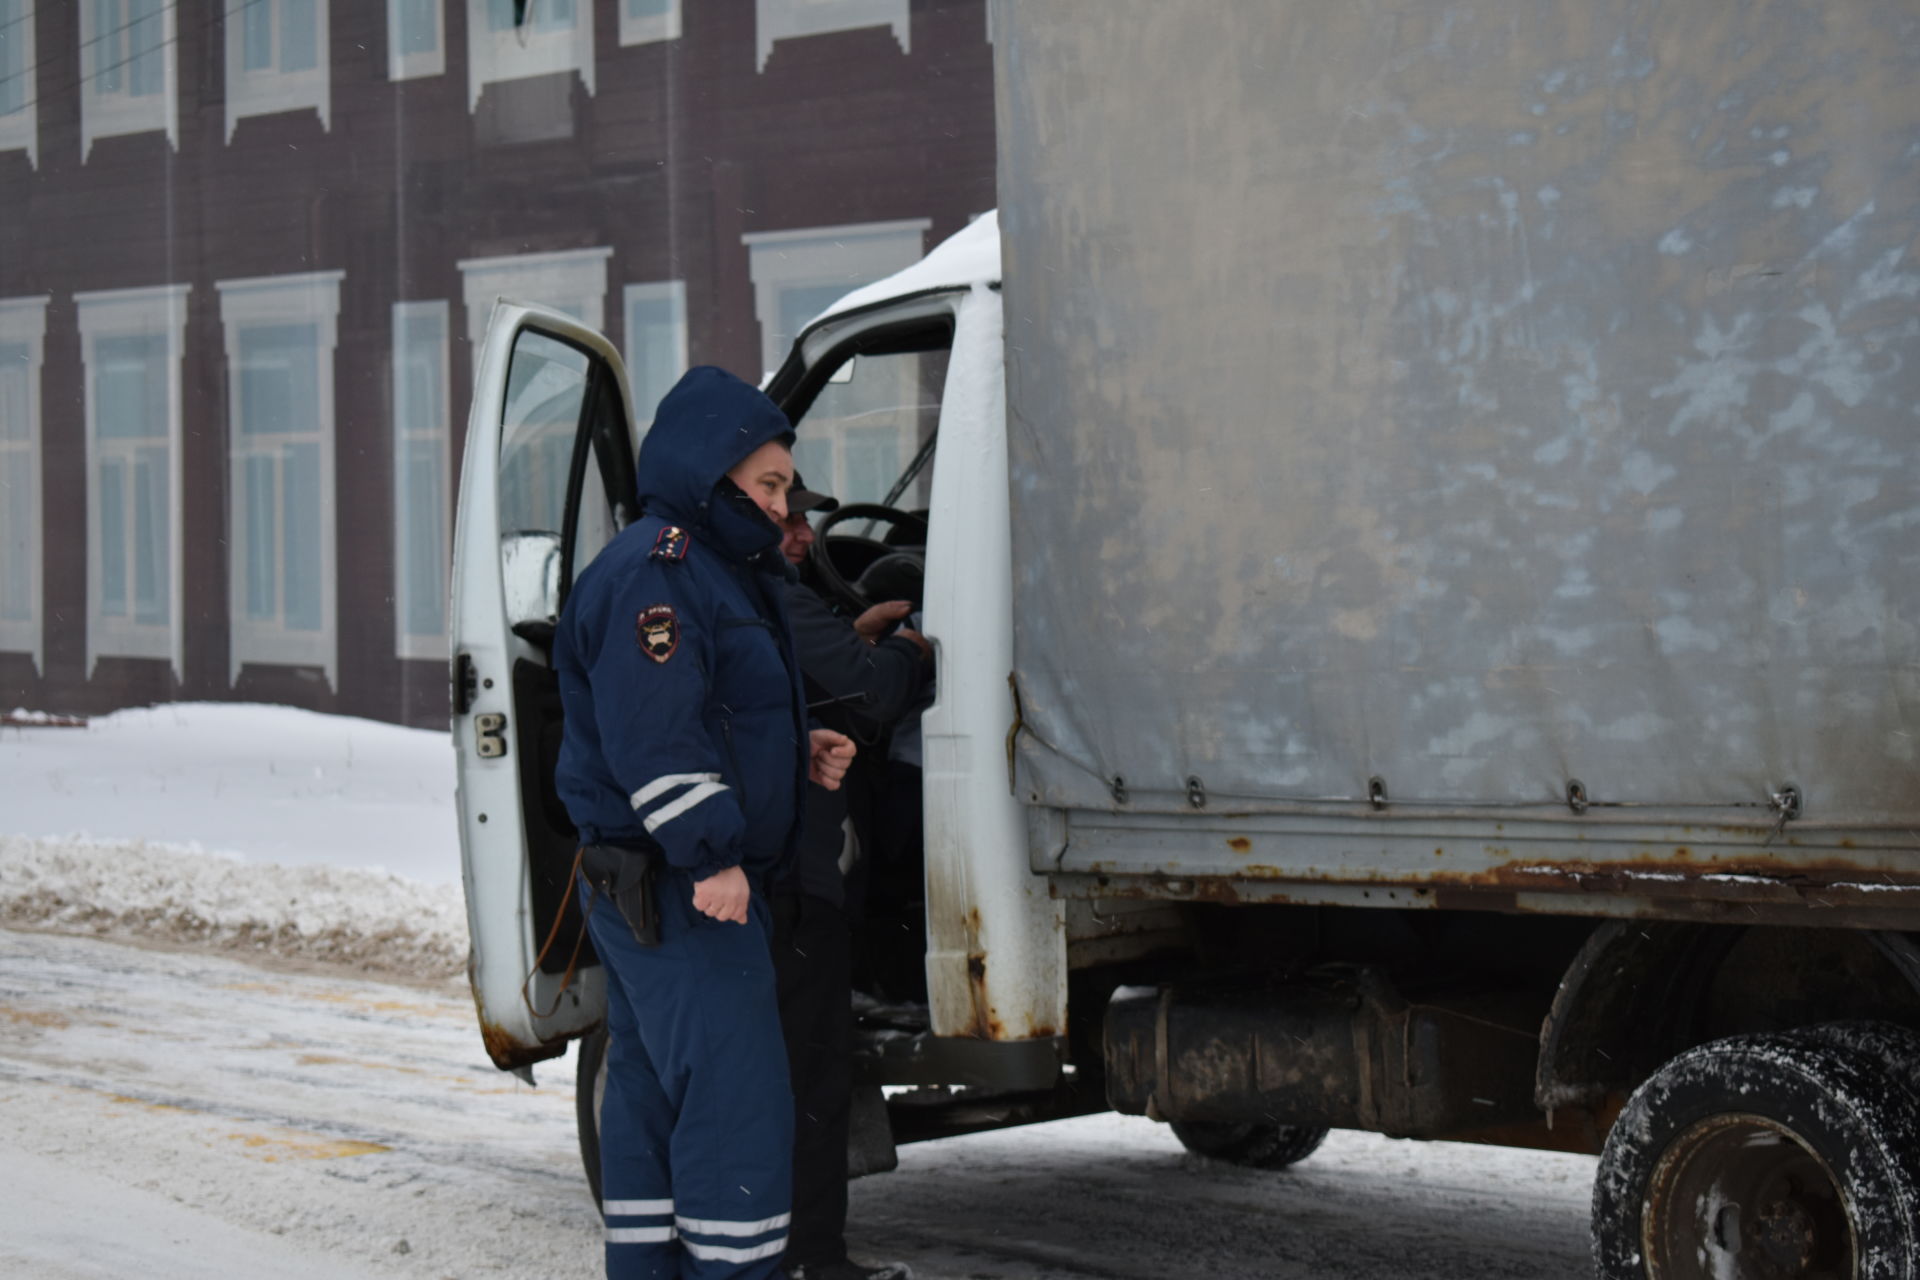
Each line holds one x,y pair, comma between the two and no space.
785,19
656,316
798,274
280,337
18,109
861,433
131,341
277,58
642,21
22,326
416,39
554,36
421,465
127,69
572,281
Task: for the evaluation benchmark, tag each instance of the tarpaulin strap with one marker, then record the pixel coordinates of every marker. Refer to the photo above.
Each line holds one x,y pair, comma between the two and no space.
566,979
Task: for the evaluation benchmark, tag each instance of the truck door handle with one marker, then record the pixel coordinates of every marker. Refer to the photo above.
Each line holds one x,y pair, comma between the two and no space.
489,735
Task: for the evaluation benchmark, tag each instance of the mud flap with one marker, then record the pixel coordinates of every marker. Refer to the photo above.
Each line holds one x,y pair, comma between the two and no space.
870,1146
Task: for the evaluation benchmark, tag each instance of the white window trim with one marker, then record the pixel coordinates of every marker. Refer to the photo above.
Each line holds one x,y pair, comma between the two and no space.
408,644
785,19
665,26
824,255
21,129
308,298
266,93
674,292
493,56
104,116
115,313
534,277
412,66
24,320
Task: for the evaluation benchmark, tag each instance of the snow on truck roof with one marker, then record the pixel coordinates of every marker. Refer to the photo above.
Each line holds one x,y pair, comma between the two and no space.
967,257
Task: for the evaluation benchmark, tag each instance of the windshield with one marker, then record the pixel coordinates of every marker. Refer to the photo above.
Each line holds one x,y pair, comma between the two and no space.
869,423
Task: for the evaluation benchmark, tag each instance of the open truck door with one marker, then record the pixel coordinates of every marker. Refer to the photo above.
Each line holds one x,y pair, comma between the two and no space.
547,481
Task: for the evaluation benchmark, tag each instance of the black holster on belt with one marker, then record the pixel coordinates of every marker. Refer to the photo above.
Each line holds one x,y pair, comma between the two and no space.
629,878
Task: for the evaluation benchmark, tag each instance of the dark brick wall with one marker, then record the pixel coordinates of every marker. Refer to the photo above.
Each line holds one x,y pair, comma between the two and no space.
684,148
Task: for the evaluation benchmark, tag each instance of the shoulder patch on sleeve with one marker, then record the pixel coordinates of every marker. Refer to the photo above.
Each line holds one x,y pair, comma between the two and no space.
671,545
657,631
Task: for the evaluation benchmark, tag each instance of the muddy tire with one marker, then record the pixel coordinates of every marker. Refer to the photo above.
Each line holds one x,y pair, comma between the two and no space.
589,1085
1763,1157
1256,1146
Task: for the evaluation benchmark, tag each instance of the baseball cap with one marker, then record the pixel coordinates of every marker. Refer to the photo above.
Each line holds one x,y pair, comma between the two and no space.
801,499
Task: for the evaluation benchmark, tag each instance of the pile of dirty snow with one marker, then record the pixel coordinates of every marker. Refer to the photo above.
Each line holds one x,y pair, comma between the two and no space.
371,921
263,830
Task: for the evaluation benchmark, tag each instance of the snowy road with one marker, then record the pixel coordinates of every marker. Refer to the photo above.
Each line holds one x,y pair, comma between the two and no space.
179,1114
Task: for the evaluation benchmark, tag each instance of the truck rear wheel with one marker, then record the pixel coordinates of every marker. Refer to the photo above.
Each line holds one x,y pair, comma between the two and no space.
1257,1146
1786,1156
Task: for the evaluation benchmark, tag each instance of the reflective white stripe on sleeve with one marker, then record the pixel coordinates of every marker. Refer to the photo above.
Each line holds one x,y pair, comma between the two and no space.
629,1208
640,1235
727,1227
661,785
727,1253
705,791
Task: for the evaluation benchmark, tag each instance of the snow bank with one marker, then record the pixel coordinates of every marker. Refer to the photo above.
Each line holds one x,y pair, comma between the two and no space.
371,921
266,831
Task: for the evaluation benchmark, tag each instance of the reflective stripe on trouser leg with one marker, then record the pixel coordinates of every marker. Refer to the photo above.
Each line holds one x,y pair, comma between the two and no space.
703,1009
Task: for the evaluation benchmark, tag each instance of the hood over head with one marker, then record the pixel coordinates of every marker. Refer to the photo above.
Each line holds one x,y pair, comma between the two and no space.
702,429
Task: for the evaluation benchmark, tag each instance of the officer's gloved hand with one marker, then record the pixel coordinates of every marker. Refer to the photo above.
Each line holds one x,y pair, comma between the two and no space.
626,878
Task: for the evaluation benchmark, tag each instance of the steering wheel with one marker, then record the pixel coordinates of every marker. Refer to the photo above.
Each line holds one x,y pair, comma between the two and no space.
899,560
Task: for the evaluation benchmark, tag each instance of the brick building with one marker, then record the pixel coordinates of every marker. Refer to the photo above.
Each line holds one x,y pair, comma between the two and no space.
246,248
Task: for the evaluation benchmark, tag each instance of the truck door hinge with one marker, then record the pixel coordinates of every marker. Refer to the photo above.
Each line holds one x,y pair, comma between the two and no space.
465,684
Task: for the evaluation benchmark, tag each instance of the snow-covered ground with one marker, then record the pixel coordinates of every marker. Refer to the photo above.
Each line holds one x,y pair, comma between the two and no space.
262,830
183,1111
260,783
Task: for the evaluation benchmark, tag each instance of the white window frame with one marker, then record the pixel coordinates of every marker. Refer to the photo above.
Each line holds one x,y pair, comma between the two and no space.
549,279
23,321
854,255
121,313
493,56
674,293
308,298
409,644
412,66
785,19
114,114
20,130
646,30
271,91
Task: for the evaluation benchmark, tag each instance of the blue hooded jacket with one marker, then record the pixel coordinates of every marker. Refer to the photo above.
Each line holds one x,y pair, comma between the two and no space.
686,726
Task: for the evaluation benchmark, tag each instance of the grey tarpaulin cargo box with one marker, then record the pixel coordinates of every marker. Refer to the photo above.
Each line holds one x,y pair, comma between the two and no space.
1467,449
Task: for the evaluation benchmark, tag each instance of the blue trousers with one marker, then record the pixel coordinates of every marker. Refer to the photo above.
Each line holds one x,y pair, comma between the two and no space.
696,1125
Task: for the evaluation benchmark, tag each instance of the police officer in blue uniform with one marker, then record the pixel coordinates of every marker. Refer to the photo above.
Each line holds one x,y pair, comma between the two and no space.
686,755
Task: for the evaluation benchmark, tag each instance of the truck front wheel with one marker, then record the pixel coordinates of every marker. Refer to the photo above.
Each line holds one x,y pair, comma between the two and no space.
589,1086
1783,1156
1257,1146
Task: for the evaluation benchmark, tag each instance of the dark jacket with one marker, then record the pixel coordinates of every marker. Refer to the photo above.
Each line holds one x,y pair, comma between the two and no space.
860,689
685,724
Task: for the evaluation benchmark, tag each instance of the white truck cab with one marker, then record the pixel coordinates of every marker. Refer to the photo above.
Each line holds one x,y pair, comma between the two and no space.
549,479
